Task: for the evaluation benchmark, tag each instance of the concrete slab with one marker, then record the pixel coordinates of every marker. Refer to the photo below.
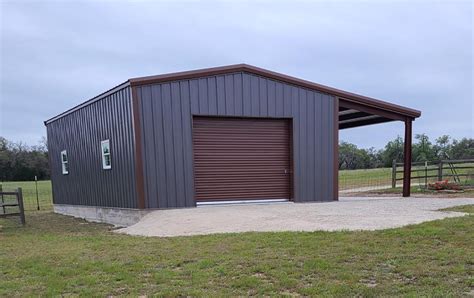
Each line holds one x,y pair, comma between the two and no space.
354,213
120,217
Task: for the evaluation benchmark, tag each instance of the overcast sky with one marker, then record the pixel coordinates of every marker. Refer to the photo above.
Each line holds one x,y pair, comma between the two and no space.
56,54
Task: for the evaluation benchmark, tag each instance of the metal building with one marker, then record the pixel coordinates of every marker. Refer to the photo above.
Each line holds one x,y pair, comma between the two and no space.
221,134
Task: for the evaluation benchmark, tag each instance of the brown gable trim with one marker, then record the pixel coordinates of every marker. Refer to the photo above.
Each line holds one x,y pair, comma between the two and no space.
348,96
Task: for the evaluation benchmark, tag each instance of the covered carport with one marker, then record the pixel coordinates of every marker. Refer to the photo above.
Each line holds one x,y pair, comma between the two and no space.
356,110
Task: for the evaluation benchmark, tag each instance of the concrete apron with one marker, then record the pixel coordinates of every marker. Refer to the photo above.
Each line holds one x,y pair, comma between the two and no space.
347,214
120,217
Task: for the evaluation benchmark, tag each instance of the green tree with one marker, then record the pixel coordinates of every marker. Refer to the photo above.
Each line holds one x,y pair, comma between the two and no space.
21,162
463,149
393,151
442,146
423,149
347,155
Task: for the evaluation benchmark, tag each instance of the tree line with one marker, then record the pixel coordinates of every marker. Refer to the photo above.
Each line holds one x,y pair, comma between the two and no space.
19,161
423,149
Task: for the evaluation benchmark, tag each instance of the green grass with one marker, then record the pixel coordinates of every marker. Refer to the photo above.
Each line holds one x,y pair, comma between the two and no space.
29,193
466,208
349,179
57,255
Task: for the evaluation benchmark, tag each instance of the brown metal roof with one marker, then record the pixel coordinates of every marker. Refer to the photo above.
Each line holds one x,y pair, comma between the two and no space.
348,96
344,95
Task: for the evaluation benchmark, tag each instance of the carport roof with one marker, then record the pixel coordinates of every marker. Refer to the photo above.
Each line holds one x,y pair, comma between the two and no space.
354,109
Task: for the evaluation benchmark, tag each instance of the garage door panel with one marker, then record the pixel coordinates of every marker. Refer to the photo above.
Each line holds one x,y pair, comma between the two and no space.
241,158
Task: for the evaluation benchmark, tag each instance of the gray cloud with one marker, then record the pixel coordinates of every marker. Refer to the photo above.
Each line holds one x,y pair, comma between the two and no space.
55,55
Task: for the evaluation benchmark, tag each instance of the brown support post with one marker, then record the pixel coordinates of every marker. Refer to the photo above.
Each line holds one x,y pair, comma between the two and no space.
407,158
139,177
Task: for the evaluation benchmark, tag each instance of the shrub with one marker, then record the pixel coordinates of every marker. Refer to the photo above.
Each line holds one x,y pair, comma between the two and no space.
444,185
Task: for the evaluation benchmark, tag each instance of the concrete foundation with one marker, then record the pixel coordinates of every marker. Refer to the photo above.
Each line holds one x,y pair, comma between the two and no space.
116,216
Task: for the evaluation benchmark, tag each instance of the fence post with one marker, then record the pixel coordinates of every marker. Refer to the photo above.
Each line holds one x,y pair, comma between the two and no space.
440,170
37,196
1,195
19,197
394,173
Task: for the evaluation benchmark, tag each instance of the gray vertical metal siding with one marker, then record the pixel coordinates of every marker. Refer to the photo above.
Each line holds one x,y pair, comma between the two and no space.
80,133
166,117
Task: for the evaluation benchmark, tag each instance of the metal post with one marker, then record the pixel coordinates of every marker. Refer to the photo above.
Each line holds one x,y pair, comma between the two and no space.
407,158
37,197
440,170
19,197
394,173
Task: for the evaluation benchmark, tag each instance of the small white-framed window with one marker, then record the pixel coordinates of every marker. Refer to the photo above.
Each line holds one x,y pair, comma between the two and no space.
105,149
64,162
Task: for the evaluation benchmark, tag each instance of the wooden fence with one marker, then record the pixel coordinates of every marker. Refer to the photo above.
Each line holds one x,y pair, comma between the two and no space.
436,170
7,202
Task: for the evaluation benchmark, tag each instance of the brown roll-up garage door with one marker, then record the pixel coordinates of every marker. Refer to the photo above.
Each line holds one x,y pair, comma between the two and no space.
241,158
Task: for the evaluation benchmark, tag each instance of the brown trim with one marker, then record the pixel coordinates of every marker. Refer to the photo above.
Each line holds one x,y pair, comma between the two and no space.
292,161
139,178
407,158
335,189
348,96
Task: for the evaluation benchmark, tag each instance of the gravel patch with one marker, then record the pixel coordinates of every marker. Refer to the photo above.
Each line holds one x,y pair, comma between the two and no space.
355,213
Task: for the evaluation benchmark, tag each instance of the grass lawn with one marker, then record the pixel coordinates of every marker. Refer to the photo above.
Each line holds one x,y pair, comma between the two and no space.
361,178
59,255
29,193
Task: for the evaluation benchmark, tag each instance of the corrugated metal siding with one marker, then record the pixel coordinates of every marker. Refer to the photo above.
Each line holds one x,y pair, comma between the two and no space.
241,158
80,133
166,115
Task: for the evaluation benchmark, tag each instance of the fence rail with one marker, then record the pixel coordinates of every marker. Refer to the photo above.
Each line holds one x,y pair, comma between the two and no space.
6,203
37,195
444,169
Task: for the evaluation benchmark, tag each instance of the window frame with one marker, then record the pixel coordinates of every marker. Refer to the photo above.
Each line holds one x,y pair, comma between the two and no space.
103,155
64,163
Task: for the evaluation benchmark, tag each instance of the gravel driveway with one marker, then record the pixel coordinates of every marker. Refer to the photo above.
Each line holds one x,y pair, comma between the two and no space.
346,214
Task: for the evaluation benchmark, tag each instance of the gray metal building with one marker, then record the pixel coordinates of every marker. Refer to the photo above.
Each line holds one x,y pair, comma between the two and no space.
228,133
